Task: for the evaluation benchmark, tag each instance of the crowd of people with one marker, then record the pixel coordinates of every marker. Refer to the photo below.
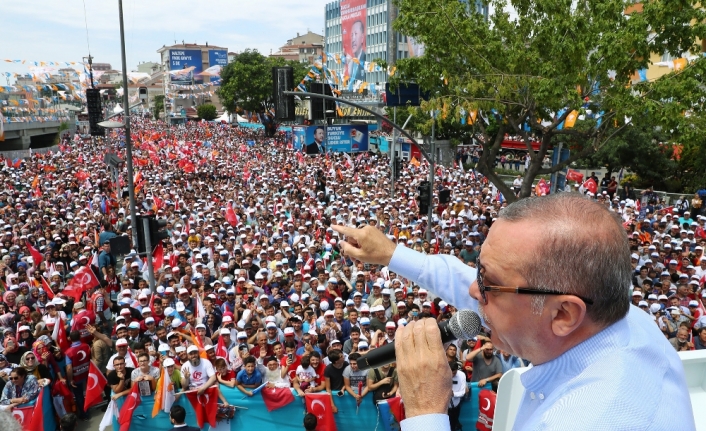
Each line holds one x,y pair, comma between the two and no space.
251,286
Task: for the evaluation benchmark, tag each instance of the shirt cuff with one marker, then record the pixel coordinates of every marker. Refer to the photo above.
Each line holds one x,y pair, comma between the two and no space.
407,262
434,421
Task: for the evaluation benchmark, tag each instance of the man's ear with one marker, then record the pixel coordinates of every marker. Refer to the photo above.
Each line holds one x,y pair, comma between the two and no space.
568,312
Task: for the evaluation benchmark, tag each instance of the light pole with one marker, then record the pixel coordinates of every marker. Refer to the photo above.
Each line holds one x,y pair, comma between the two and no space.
128,138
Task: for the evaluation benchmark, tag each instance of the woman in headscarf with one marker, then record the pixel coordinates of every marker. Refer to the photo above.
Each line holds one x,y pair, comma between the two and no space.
13,351
25,338
10,301
30,363
5,369
42,300
43,351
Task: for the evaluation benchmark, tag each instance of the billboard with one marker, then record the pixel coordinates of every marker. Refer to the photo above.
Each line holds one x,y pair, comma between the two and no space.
217,57
345,138
298,137
182,59
353,30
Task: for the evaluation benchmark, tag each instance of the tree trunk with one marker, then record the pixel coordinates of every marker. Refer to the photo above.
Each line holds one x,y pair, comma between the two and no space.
485,167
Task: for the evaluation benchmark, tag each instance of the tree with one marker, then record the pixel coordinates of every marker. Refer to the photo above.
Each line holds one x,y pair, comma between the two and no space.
554,70
206,112
158,105
247,82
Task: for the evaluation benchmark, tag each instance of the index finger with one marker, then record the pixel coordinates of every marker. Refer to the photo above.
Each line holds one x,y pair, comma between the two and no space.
345,230
432,335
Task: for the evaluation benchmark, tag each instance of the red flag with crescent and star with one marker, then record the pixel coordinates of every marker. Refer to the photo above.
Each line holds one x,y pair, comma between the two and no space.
59,334
276,398
231,218
94,387
205,406
320,406
83,280
47,289
132,400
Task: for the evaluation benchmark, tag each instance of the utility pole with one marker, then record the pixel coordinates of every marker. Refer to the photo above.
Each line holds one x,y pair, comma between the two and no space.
432,169
128,137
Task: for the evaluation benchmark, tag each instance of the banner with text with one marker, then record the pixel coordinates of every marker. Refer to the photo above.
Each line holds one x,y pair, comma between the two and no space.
217,57
183,59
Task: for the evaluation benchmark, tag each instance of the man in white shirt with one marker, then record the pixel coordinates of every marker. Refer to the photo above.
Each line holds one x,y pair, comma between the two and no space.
197,373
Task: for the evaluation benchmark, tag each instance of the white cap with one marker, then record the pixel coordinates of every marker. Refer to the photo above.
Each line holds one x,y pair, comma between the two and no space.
169,362
192,348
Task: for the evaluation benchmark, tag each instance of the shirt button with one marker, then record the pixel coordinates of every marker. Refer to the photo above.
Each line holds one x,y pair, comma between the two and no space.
532,395
541,396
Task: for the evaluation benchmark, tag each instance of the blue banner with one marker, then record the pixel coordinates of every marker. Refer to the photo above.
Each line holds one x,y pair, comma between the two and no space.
347,138
383,144
217,57
298,137
182,59
289,417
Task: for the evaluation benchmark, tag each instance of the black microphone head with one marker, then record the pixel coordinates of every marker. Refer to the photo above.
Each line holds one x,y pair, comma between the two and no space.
465,324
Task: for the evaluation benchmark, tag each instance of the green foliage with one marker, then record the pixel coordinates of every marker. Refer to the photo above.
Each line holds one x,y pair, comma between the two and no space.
553,56
63,126
207,112
247,82
158,105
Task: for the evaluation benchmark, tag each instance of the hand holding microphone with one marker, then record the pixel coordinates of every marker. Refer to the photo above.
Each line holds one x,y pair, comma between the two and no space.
422,367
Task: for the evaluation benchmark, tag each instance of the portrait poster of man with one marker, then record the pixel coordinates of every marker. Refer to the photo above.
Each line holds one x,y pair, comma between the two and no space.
315,140
353,14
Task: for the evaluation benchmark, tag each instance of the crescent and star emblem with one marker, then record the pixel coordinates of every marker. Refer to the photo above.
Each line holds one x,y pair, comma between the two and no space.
198,398
486,408
82,278
20,415
94,381
88,320
81,352
134,395
323,407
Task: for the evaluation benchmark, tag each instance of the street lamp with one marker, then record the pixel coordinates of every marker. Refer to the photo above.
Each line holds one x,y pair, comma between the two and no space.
128,137
326,125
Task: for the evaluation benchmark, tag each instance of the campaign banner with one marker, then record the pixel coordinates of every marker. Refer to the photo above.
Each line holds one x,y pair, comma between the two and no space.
183,59
217,57
347,138
298,137
353,31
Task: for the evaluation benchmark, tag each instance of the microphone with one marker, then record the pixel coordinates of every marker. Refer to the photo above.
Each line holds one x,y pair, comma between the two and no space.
465,325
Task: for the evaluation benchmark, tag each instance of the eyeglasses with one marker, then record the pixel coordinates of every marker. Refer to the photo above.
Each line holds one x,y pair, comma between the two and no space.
519,290
29,358
14,378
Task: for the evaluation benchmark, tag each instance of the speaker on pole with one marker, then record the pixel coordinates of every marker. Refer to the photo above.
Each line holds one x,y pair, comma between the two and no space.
445,196
283,80
95,112
317,105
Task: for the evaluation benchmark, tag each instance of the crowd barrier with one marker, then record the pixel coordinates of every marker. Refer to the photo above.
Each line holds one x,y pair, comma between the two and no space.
25,413
287,418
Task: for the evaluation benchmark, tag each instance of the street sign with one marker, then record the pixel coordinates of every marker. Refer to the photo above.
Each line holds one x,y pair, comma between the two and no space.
183,112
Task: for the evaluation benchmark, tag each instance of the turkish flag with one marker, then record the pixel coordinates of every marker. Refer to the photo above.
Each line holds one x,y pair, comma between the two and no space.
59,334
320,406
396,407
276,398
591,186
231,218
36,255
24,415
221,349
37,418
158,256
574,175
47,289
83,280
132,400
94,387
205,406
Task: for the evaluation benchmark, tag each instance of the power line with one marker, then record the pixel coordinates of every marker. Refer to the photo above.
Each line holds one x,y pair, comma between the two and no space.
85,20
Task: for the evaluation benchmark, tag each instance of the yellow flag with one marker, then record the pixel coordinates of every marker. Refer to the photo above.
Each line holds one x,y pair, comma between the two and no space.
679,64
472,116
571,119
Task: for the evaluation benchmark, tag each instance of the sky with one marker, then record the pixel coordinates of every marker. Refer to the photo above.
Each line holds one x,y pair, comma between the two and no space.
55,30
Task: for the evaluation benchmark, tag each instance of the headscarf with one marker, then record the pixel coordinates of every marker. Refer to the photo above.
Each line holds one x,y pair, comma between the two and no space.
23,362
10,303
6,320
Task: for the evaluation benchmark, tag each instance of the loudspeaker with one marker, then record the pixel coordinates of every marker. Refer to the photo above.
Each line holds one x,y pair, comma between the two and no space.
95,112
445,196
283,80
119,245
317,105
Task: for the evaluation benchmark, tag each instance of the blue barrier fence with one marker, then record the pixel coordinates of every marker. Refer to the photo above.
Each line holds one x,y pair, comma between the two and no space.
288,418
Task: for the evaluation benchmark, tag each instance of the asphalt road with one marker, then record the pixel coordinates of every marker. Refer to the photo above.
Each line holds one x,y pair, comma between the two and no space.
93,423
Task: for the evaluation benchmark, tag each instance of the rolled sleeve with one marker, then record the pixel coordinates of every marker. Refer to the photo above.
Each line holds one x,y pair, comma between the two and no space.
436,422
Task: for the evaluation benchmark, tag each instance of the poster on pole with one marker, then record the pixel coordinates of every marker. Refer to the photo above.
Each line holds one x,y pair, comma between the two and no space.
347,138
183,59
298,137
353,30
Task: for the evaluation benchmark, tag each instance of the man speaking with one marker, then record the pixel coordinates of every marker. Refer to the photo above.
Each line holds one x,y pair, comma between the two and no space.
552,285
